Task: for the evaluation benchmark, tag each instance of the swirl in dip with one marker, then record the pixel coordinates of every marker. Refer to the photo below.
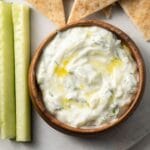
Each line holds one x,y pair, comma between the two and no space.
87,77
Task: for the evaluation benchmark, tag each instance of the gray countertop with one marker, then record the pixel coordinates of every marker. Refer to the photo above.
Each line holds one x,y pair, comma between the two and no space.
144,144
132,134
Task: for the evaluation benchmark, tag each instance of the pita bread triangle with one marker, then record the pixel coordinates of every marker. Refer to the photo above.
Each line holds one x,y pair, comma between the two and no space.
84,8
108,11
53,9
139,12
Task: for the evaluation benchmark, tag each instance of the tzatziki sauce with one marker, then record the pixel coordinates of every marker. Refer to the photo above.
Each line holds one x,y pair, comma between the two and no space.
87,77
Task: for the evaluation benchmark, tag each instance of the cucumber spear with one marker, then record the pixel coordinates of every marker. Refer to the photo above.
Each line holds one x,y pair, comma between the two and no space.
7,76
22,58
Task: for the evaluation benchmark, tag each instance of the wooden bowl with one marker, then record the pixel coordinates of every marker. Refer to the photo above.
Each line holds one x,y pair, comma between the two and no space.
35,91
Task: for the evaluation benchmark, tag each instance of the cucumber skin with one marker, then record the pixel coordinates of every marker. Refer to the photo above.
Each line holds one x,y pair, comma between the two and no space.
22,58
7,77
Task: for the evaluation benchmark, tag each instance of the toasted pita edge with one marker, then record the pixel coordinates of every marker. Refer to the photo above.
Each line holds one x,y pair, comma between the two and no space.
146,30
57,16
78,11
108,12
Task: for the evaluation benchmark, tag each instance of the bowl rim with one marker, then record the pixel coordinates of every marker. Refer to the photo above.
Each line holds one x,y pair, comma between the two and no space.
36,95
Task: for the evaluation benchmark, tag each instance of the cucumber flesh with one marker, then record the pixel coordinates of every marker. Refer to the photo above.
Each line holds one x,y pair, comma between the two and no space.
22,57
7,76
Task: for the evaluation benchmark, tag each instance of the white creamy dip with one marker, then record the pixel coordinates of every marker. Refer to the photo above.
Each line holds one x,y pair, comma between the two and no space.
86,76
